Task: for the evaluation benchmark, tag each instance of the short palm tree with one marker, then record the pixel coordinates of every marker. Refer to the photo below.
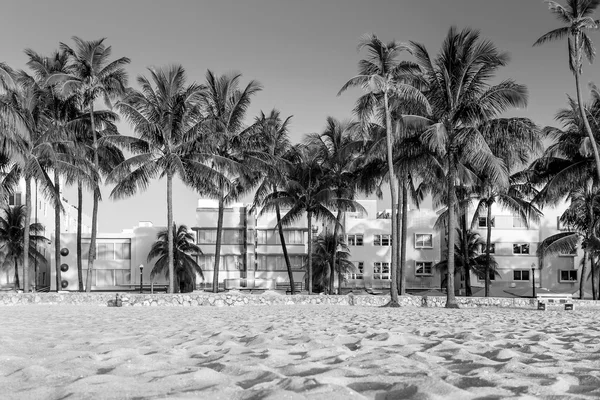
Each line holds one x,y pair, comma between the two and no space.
382,75
474,261
91,75
12,243
462,98
305,192
577,15
164,116
185,253
323,272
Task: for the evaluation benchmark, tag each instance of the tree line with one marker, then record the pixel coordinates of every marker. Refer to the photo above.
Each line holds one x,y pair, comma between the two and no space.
423,125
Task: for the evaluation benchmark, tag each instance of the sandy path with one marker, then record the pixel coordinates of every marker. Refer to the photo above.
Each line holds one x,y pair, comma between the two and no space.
295,352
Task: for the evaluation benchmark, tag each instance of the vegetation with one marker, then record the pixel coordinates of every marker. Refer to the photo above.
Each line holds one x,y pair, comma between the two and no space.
185,268
435,126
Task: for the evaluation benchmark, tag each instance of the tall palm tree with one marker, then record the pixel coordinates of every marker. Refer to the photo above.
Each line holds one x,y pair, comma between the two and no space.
224,106
92,75
577,15
109,156
164,115
185,251
273,133
382,76
338,148
462,98
12,243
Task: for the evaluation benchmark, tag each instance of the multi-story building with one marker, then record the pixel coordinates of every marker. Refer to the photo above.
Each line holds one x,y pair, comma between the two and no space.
43,212
251,251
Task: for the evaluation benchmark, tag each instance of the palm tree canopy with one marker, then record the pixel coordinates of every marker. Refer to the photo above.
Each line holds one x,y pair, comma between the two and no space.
11,235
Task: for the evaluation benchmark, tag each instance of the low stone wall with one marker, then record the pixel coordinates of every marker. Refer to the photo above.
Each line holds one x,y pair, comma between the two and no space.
241,299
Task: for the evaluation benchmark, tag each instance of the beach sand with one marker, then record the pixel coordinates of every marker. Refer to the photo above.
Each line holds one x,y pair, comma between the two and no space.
296,352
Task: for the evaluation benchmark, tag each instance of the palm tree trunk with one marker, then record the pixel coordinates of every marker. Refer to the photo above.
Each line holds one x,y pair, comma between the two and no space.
394,198
218,244
465,251
57,206
310,277
402,270
586,256
583,268
487,250
286,256
27,222
340,277
594,269
92,253
170,231
79,222
17,283
334,254
586,123
450,296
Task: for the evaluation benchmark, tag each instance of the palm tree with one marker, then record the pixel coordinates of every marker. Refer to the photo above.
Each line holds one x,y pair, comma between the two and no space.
273,133
322,271
185,252
12,243
59,110
224,106
481,264
581,217
92,76
305,191
517,198
164,115
577,15
382,76
461,99
338,148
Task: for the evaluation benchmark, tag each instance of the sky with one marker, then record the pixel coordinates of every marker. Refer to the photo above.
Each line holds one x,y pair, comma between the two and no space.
302,52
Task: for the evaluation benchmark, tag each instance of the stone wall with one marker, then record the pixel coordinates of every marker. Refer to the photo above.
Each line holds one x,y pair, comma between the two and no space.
241,299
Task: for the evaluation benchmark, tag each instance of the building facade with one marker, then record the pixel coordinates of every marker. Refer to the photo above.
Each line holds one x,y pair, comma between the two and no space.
251,252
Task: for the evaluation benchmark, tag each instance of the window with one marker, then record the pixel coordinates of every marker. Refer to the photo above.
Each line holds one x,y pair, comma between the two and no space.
518,222
104,277
521,275
521,248
261,237
382,240
122,277
85,250
569,275
381,270
14,199
492,249
297,262
360,269
423,240
354,240
123,251
207,236
423,268
482,222
292,237
105,251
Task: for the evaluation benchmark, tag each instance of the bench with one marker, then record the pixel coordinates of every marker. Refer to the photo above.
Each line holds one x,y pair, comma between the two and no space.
148,286
298,287
555,299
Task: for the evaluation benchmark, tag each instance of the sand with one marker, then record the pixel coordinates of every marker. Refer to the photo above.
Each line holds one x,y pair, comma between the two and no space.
296,352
